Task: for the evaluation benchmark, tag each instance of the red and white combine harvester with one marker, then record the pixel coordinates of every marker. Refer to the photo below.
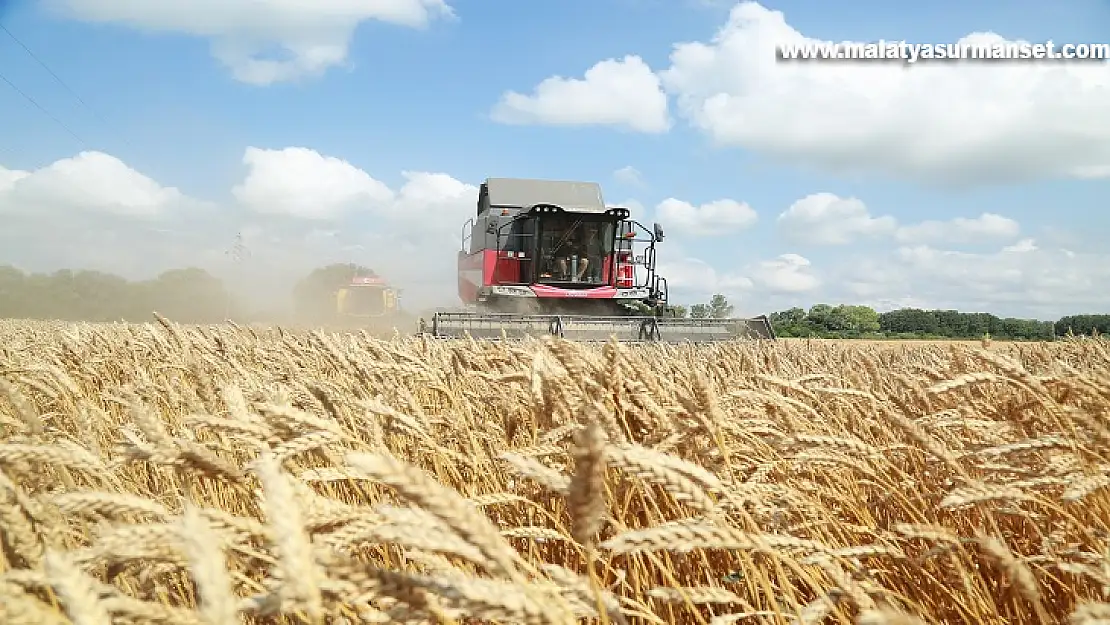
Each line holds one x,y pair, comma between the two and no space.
549,257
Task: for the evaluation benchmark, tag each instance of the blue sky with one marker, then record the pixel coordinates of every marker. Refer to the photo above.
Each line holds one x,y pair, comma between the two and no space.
160,172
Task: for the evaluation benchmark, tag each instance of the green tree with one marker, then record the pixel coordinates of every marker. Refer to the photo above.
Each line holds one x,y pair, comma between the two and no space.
90,295
1082,325
719,308
909,321
187,295
792,317
13,288
855,319
820,317
790,322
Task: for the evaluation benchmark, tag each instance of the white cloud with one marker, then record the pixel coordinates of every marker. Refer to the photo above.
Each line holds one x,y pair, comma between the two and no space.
433,202
300,182
92,211
1021,247
1019,280
826,219
409,234
960,230
8,178
295,208
629,175
91,182
716,218
311,36
623,93
930,121
636,207
695,276
755,288
1022,280
789,273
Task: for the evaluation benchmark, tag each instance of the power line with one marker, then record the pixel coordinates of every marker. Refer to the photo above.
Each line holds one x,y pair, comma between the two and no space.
50,71
59,80
44,111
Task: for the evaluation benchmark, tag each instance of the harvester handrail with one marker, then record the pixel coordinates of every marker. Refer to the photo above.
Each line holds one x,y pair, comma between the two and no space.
467,234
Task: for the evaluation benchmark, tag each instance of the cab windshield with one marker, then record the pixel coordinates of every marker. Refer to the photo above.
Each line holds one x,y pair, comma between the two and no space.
572,248
366,300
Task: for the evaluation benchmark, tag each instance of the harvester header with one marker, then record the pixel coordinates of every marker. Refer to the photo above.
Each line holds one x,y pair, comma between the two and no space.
550,257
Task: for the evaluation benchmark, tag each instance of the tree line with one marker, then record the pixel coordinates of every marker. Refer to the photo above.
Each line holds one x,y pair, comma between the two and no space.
189,295
846,321
193,295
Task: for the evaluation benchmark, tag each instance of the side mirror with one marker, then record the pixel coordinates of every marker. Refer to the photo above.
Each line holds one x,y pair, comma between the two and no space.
658,231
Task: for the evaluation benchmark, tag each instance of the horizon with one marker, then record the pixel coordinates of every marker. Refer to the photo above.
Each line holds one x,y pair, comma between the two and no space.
287,309
145,137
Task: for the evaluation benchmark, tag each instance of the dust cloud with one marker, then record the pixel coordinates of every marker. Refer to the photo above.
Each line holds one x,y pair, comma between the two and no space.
208,286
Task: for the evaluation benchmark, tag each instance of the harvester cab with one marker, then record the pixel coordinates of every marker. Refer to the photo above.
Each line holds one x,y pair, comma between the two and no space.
549,257
367,296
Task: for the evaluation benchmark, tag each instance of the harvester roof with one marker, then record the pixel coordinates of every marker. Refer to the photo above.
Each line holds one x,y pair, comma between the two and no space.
367,281
573,196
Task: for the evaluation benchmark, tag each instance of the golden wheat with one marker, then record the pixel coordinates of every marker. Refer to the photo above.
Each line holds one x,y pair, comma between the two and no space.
220,475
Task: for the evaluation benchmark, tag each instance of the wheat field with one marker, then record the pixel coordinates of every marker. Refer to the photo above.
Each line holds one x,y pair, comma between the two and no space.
156,473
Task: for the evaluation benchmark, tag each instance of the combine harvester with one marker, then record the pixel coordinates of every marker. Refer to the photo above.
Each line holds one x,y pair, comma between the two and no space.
548,257
363,302
366,297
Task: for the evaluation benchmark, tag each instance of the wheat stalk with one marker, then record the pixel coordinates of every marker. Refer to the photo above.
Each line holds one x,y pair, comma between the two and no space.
209,475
